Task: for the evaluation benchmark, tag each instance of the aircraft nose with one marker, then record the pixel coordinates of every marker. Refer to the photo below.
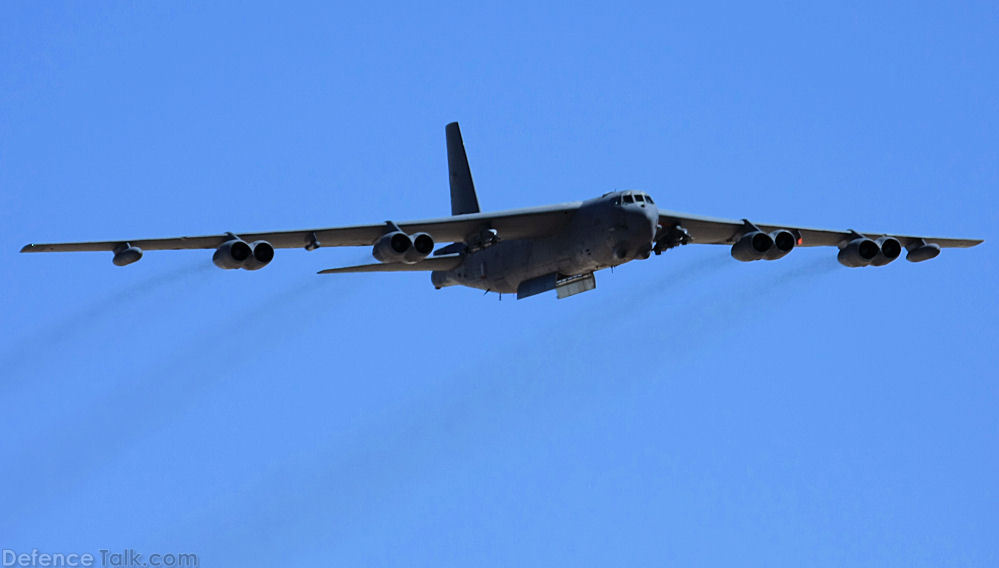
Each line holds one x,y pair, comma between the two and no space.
650,217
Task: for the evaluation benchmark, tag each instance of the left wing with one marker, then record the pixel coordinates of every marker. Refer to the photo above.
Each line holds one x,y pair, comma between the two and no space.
513,224
718,231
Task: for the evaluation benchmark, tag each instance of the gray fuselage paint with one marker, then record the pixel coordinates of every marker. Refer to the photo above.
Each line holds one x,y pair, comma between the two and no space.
603,232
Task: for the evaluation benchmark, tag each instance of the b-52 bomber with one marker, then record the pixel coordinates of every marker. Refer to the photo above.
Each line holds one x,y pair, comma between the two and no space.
533,250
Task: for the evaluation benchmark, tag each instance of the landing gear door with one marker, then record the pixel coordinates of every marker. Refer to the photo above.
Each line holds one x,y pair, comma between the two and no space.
537,285
572,285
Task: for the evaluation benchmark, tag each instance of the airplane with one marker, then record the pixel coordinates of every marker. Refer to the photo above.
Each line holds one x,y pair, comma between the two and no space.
533,250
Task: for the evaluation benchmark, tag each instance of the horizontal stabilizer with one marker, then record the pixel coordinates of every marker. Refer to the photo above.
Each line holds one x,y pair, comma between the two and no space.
444,262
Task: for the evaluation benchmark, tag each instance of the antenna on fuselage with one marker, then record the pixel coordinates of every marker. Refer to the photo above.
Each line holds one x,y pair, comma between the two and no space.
463,198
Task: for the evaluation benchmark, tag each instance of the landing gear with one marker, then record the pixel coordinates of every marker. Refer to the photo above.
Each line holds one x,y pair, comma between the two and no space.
671,238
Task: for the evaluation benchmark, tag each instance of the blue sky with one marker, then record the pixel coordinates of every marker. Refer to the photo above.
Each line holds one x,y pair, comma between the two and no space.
692,410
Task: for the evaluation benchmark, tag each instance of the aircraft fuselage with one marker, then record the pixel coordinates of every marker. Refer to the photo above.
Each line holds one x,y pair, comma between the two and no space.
604,232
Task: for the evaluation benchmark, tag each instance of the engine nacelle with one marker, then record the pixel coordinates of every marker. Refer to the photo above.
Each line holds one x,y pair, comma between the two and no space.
923,252
784,243
263,253
392,247
888,250
858,252
232,254
752,246
126,255
423,245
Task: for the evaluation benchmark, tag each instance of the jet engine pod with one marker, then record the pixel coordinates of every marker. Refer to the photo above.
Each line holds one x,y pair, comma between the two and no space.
889,249
784,242
858,252
125,255
752,246
392,247
232,254
924,251
423,244
263,253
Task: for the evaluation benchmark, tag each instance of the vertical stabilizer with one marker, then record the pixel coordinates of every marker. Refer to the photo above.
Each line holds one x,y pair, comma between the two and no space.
463,198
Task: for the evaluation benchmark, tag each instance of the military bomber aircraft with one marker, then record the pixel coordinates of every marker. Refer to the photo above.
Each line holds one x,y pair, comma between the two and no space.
533,250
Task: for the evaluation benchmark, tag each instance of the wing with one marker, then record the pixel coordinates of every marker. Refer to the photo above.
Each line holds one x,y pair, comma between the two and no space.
717,231
513,224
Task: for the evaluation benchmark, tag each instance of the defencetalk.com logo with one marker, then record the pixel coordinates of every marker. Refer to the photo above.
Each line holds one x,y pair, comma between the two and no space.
127,558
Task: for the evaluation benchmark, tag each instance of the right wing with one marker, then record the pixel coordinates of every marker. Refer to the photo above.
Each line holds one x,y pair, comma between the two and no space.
717,231
514,224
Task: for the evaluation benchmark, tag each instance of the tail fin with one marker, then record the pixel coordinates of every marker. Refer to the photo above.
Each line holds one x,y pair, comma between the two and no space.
463,198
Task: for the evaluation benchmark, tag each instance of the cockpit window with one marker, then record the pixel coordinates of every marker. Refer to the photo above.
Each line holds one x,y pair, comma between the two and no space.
648,199
639,198
628,198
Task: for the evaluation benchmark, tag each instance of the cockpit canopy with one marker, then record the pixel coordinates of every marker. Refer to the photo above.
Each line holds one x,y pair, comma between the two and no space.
632,197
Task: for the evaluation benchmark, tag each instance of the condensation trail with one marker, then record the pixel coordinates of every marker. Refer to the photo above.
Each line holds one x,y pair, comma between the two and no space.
57,333
707,314
166,388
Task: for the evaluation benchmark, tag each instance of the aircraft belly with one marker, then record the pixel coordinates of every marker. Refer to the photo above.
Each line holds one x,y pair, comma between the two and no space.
496,268
502,267
594,241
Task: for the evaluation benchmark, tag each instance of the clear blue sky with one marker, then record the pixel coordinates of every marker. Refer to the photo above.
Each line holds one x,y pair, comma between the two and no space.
692,410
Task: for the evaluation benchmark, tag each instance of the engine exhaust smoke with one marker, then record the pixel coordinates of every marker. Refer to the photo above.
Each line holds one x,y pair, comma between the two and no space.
56,333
